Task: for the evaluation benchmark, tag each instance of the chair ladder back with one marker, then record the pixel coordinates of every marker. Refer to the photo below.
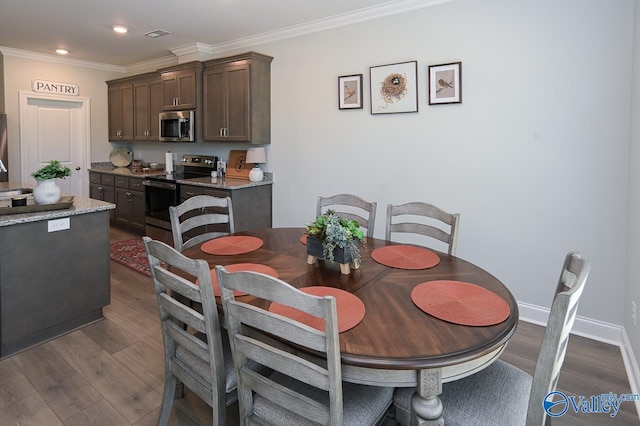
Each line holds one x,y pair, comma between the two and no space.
556,337
324,377
366,218
428,211
281,395
208,209
283,361
268,322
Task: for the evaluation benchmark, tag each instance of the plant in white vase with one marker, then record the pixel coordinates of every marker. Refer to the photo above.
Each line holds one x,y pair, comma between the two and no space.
47,191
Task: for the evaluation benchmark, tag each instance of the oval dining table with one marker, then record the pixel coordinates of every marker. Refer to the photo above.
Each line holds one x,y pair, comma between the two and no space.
396,343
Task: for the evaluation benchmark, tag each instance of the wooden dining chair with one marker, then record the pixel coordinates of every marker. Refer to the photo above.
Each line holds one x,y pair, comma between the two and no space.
302,390
350,207
502,394
421,218
199,219
196,353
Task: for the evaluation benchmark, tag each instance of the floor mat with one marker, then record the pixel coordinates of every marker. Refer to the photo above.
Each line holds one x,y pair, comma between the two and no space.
132,254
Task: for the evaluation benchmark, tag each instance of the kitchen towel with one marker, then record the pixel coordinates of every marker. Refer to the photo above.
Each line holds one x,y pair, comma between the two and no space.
168,161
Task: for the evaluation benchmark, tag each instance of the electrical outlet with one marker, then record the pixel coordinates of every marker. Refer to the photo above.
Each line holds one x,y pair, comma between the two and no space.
633,312
58,225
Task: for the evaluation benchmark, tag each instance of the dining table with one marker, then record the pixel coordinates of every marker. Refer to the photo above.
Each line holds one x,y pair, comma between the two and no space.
396,343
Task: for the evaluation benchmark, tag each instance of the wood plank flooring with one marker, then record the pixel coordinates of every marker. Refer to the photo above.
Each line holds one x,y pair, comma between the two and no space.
112,372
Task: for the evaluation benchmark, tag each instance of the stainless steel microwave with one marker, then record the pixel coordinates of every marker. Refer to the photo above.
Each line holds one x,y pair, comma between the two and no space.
177,126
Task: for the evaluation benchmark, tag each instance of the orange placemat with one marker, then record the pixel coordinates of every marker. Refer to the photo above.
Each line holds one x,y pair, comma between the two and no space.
405,257
350,309
236,267
460,303
303,239
228,246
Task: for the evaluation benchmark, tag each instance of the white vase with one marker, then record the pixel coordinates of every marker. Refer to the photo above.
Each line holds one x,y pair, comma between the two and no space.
47,192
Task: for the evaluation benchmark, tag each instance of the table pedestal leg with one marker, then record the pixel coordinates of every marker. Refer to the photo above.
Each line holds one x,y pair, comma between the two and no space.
425,404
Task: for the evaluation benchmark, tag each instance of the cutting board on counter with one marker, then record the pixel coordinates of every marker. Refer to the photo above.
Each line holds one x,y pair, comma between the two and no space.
237,166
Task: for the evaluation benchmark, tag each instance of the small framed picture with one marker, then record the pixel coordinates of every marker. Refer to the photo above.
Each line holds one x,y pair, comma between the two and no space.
394,88
445,83
350,91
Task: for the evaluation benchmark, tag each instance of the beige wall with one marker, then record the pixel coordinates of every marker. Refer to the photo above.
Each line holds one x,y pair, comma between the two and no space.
19,72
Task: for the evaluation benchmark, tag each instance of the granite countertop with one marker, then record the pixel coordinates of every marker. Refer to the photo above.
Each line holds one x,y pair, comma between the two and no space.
225,183
111,169
81,205
206,181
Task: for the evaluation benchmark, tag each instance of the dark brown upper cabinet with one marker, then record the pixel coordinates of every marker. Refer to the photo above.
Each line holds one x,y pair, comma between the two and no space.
237,99
182,86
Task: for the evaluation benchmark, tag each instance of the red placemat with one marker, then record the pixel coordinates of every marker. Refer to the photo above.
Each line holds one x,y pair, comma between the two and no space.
460,303
350,309
228,246
405,257
236,267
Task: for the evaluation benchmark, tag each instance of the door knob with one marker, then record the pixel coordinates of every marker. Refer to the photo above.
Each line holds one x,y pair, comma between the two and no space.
77,167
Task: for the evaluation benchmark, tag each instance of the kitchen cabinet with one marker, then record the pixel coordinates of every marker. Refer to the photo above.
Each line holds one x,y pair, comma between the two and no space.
251,205
126,192
101,188
182,86
237,99
147,105
130,203
120,111
52,282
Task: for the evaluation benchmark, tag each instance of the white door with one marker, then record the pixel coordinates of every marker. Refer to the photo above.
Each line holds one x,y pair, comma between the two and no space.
55,128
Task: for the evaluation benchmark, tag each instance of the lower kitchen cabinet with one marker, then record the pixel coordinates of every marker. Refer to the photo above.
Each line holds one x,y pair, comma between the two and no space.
103,191
251,205
129,203
127,193
52,283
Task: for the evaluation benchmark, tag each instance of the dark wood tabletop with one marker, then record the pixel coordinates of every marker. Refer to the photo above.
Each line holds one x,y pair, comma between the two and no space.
394,334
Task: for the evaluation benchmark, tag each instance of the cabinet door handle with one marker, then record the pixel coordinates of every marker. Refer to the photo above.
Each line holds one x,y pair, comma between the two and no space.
100,189
220,131
226,132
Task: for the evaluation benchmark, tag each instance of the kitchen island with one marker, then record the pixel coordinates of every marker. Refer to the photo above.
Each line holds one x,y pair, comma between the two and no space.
54,271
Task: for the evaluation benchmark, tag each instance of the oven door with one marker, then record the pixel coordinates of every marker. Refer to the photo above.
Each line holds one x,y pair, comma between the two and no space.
159,196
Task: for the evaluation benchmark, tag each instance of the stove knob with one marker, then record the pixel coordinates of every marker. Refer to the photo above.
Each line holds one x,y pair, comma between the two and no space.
208,161
184,160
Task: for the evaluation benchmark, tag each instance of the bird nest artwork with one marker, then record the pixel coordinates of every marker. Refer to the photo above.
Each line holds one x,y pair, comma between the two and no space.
394,88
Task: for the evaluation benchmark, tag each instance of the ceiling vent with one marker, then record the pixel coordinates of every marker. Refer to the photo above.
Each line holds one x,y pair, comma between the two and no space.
157,33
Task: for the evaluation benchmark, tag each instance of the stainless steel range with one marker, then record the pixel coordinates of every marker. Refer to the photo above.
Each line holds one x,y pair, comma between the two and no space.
163,191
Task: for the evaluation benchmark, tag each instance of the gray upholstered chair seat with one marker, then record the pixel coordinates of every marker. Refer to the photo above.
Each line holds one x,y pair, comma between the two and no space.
363,405
497,395
204,369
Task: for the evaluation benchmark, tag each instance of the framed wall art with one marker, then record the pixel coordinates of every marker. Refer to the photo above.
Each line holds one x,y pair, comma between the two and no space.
394,88
445,83
350,91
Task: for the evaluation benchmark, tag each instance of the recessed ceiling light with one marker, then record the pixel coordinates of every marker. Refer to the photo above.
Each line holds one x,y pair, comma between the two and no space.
62,51
120,29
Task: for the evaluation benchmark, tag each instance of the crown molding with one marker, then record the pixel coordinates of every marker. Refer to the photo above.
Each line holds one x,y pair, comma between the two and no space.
202,51
374,12
8,51
152,65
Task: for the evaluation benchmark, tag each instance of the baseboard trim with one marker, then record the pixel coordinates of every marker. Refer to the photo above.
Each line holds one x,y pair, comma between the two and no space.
597,330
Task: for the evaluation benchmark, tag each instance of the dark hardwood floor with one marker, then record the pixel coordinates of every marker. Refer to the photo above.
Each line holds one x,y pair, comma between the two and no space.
111,372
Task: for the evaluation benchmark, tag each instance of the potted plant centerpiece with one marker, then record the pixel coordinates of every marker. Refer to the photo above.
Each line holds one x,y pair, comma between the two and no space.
336,239
47,191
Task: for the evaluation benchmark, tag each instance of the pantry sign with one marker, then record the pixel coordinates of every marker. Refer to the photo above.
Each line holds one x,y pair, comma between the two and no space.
43,86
